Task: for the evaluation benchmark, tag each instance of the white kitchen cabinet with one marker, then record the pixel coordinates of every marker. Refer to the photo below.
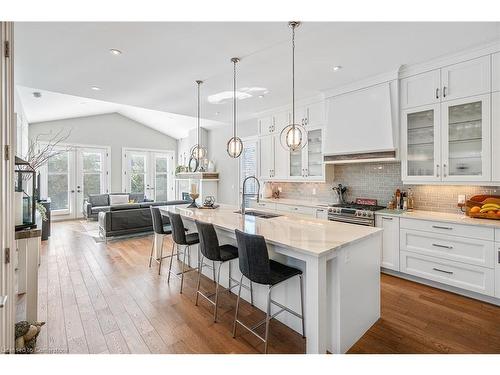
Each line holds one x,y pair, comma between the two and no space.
497,269
280,170
495,72
421,144
314,114
266,125
307,163
303,210
321,213
495,136
421,89
266,149
262,205
465,139
468,78
390,241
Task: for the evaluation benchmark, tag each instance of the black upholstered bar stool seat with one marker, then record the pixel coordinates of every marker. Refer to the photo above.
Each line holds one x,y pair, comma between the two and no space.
180,238
255,265
162,229
211,250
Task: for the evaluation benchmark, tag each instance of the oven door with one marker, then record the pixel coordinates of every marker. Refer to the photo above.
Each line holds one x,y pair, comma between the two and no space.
352,220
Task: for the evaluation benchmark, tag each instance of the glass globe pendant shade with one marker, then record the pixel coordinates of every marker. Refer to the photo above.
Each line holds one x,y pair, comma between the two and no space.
198,152
234,147
293,137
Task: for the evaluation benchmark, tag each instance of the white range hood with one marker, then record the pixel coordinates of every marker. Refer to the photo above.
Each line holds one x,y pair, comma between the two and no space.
363,125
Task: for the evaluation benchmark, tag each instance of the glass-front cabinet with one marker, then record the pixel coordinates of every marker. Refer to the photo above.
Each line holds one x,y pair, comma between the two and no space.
465,132
421,143
448,141
307,163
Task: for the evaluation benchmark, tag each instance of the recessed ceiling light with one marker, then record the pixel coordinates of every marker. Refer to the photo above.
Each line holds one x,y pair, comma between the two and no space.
217,113
95,88
337,68
261,96
115,51
37,94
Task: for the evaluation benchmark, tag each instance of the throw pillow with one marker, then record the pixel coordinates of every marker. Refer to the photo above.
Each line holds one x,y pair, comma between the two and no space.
118,199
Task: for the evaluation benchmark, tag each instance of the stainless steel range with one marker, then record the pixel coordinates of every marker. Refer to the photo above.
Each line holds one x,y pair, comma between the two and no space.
361,212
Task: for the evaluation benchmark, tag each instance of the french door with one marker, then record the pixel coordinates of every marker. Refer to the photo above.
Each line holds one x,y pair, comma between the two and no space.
149,172
71,175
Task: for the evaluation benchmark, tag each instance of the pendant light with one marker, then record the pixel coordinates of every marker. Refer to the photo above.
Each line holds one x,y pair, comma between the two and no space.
293,137
234,145
198,152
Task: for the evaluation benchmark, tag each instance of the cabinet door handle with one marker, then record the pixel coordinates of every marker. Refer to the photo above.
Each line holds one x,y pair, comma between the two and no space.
443,246
443,271
437,93
444,170
440,227
444,91
437,170
386,218
3,301
498,256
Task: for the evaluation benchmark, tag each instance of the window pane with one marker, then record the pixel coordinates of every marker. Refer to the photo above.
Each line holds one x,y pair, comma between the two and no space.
91,184
161,187
58,163
248,167
137,183
58,191
161,165
91,162
137,164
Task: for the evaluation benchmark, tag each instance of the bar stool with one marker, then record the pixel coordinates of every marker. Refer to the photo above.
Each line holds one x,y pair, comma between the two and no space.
180,237
160,229
255,265
210,249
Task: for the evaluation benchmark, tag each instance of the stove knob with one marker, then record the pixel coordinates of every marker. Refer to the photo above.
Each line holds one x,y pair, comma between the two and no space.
364,214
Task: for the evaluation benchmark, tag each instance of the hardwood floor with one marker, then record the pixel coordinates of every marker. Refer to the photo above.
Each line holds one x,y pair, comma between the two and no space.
102,298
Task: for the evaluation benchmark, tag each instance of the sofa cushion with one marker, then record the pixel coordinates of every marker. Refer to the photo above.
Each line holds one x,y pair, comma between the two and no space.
99,199
128,219
154,204
136,197
126,206
96,210
118,199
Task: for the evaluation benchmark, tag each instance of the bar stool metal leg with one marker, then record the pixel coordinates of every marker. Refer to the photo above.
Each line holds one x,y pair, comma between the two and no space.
213,270
217,292
229,265
200,269
237,305
302,305
161,255
268,319
251,293
171,259
186,250
152,248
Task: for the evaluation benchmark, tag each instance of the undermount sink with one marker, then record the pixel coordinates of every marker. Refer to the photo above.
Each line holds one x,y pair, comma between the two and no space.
263,215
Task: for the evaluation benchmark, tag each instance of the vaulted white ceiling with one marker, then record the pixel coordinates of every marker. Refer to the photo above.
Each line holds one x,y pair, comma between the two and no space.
161,61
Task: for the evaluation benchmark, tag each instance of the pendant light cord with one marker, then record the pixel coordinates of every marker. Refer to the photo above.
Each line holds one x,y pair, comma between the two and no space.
293,76
234,98
198,135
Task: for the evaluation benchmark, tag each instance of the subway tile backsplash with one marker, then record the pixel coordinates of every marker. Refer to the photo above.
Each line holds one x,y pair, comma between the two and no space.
380,181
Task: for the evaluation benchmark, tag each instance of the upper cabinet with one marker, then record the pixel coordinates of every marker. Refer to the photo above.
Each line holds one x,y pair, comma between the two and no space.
421,89
465,79
452,82
495,137
495,72
307,163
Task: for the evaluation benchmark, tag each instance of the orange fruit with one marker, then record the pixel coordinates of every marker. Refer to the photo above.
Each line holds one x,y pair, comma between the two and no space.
492,213
498,213
475,209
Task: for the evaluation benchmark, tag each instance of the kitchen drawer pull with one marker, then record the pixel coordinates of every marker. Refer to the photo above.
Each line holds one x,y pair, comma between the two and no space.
437,93
498,257
443,271
444,91
386,218
443,246
440,227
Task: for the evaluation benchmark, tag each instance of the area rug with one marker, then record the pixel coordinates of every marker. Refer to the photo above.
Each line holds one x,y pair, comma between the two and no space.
91,228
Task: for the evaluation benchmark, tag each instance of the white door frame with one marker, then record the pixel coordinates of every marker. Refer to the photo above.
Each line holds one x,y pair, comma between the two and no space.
125,178
7,142
74,211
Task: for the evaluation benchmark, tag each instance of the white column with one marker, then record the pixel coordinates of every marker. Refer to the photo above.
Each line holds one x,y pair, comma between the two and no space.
315,305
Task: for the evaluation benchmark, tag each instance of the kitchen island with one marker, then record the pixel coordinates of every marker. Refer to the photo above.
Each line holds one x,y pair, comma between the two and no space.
341,265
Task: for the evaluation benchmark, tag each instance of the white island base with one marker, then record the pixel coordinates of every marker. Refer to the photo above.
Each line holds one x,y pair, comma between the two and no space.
342,286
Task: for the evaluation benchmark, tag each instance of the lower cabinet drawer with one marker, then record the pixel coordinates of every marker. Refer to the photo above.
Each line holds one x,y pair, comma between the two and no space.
460,249
451,229
266,205
296,209
497,234
465,276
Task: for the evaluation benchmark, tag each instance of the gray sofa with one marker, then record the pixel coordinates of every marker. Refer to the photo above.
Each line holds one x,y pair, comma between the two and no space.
96,203
129,218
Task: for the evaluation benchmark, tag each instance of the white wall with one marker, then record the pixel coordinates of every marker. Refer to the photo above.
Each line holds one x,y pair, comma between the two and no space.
227,167
21,135
112,130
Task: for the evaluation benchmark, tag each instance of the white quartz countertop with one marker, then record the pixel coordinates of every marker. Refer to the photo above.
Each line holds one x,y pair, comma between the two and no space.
307,235
296,202
440,216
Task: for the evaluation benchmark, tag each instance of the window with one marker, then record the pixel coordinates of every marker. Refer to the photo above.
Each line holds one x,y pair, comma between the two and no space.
137,173
161,177
248,167
58,181
92,173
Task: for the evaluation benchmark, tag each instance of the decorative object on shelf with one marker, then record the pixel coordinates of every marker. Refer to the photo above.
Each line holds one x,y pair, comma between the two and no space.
211,166
193,194
25,203
198,152
483,206
293,137
234,145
